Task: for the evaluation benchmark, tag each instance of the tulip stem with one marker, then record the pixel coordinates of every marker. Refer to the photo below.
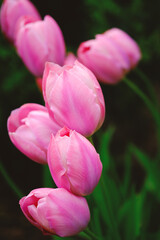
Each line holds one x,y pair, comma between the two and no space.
10,182
91,140
47,178
155,113
81,235
142,95
91,234
148,84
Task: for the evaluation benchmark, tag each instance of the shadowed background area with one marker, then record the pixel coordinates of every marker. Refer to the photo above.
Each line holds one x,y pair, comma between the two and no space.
80,21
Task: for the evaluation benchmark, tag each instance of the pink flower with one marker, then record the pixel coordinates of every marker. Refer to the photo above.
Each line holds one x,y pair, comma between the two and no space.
126,43
70,59
73,162
38,42
110,55
12,11
56,211
30,128
74,97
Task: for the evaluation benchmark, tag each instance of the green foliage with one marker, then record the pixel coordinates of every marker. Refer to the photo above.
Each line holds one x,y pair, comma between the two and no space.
104,147
126,213
151,167
130,215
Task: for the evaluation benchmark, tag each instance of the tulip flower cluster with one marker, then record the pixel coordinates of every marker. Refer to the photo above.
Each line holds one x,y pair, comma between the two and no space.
55,134
36,40
11,13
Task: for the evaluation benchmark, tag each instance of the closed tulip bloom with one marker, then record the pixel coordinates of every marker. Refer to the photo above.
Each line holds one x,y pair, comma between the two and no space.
109,56
30,129
73,97
11,11
56,211
73,162
126,43
38,42
69,59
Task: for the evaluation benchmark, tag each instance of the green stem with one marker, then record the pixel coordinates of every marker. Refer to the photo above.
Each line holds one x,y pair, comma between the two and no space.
81,235
148,84
91,234
47,179
150,106
91,140
84,235
10,182
141,94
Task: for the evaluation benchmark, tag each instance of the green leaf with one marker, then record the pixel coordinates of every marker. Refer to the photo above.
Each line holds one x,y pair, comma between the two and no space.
97,222
104,146
131,215
152,169
127,172
59,238
100,202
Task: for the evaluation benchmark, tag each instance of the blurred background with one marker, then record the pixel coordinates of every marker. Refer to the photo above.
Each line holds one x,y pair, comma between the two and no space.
80,21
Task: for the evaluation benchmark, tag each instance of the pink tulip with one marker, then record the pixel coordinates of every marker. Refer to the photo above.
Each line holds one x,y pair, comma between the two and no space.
110,55
11,11
73,97
38,42
56,211
70,59
73,162
126,43
30,128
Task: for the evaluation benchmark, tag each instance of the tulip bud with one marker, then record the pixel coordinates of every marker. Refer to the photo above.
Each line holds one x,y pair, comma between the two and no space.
11,11
73,162
73,97
126,43
110,55
29,129
70,59
38,42
56,211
